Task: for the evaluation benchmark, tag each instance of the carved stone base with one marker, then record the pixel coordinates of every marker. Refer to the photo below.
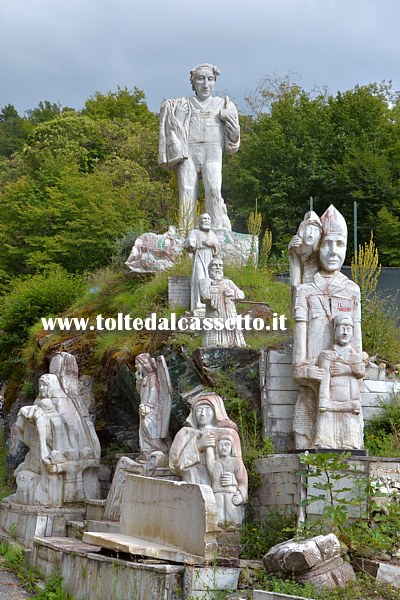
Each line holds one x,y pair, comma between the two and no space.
23,523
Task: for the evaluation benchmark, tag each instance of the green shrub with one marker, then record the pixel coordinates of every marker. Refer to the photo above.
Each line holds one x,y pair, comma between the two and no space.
30,299
381,328
262,534
382,432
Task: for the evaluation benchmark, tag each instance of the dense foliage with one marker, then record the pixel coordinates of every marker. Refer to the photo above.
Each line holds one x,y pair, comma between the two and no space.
72,182
336,149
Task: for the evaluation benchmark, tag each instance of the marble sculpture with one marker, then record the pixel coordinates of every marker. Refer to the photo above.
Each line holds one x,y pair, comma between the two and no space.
194,132
220,294
64,452
327,412
154,386
204,245
207,451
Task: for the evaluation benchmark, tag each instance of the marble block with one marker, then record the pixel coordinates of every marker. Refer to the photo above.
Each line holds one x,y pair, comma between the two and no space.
168,520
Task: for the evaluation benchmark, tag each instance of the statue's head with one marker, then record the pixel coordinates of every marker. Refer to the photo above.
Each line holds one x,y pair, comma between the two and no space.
310,229
332,251
205,222
204,414
343,326
145,364
216,269
202,78
226,446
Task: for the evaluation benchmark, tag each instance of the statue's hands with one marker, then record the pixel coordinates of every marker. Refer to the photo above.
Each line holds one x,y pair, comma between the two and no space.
237,499
144,409
294,243
338,368
207,440
227,479
52,468
232,126
182,110
303,374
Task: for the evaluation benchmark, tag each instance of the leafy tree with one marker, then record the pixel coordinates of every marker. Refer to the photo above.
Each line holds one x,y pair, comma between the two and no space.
13,131
122,104
45,111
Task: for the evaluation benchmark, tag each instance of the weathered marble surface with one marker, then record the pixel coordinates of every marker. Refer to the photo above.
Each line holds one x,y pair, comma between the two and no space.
317,300
207,451
203,244
163,519
154,252
219,295
316,560
194,132
155,389
64,451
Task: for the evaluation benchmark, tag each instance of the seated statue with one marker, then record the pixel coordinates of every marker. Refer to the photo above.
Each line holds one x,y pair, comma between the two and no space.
63,458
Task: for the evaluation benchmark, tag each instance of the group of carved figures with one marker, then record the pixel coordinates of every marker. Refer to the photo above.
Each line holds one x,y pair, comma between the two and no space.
64,451
327,351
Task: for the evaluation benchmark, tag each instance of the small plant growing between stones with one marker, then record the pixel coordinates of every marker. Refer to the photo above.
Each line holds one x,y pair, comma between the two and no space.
361,512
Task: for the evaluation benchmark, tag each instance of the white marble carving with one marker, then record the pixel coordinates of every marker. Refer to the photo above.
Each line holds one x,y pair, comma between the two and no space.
220,294
153,252
339,419
162,519
207,451
155,389
316,302
194,132
302,249
63,459
204,245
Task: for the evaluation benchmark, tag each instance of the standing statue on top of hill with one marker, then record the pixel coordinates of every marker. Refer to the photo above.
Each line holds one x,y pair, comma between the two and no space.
193,134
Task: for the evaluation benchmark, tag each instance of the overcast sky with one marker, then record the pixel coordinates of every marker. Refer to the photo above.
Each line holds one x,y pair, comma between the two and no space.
65,50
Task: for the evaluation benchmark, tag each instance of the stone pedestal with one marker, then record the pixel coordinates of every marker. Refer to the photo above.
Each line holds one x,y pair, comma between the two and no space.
23,523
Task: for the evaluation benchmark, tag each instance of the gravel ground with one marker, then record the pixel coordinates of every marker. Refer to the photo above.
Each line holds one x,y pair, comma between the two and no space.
10,588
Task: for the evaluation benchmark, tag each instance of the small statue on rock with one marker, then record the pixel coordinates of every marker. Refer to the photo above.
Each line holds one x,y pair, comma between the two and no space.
154,387
204,245
220,294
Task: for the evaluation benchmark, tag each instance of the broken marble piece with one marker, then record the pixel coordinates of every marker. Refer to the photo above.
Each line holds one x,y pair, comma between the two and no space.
162,519
316,560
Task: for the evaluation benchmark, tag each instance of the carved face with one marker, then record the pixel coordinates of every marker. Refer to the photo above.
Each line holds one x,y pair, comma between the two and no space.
311,235
140,374
205,222
224,448
204,414
343,333
43,388
332,252
203,83
216,269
